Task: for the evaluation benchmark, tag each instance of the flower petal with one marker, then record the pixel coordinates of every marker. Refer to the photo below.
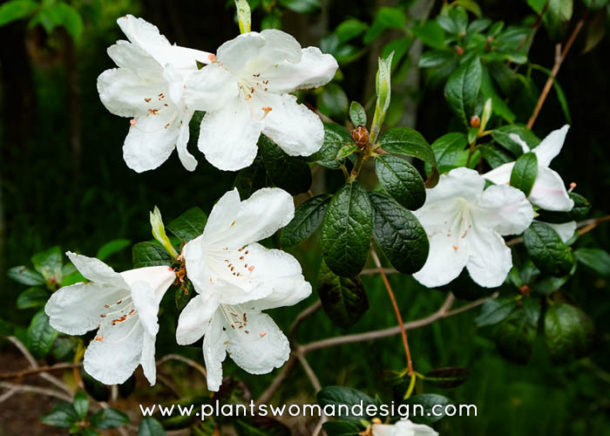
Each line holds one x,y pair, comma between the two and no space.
186,158
500,175
296,129
214,352
490,259
130,56
551,146
151,140
237,53
76,309
210,88
115,357
195,318
403,428
125,94
314,69
564,230
280,46
158,278
260,346
505,210
97,271
147,359
445,261
549,192
457,183
228,136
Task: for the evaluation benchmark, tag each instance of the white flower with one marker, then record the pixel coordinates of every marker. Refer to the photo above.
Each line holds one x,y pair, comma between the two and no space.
148,87
465,224
244,92
549,191
237,278
122,306
564,230
403,428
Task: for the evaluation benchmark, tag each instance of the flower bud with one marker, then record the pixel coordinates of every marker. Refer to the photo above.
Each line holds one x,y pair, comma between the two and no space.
158,231
487,110
383,83
243,15
361,136
475,121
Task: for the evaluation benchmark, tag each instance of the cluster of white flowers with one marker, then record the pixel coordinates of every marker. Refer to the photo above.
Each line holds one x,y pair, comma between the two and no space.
243,89
465,222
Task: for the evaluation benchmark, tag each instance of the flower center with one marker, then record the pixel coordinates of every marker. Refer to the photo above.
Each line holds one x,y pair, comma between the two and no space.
236,317
116,314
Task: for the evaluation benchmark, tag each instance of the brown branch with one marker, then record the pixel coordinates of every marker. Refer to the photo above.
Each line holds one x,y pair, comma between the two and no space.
371,271
17,388
309,371
37,371
560,56
306,313
278,380
588,225
185,360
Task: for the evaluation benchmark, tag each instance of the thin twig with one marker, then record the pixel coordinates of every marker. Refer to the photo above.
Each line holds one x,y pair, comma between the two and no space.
278,380
559,58
371,271
403,332
584,227
36,371
309,371
306,313
35,390
185,360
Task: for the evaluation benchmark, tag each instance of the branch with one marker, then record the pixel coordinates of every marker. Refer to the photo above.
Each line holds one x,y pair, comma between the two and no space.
185,360
13,387
371,271
443,312
278,380
36,371
306,313
559,58
309,371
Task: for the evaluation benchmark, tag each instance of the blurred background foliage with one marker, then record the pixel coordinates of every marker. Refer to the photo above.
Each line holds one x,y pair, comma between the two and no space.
63,181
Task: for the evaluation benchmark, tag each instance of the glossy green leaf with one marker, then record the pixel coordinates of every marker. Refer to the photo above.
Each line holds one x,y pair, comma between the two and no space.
109,418
408,142
546,249
579,211
525,172
399,234
307,218
336,395
462,89
401,180
516,334
40,335
495,310
189,225
343,299
25,276
32,297
386,18
347,229
428,402
335,137
450,152
301,6
342,428
81,404
63,415
596,259
287,172
149,253
16,9
569,333
502,136
49,264
357,114
150,427
332,101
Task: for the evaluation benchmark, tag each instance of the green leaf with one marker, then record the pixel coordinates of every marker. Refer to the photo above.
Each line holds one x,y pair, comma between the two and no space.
346,150
561,9
112,247
332,101
69,18
49,263
251,178
26,276
81,404
301,6
342,428
150,427
569,333
446,378
40,335
495,310
63,346
16,9
596,30
450,152
343,299
272,21
350,29
150,253
63,415
579,211
462,89
109,418
548,252
525,172
401,180
408,142
287,172
347,229
32,297
431,33
386,18
335,137
399,234
189,225
336,395
429,401
307,217
436,58
516,334
502,136
469,5
357,114
596,259
494,156
488,90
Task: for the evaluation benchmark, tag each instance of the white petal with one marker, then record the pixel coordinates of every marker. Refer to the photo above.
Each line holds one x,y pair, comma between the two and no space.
124,93
458,183
280,46
76,309
564,230
158,278
146,306
260,346
224,211
130,56
228,136
97,271
445,262
151,140
490,259
115,357
549,192
314,69
147,360
403,428
186,158
214,352
210,88
551,146
237,53
296,129
195,318
524,147
505,210
500,175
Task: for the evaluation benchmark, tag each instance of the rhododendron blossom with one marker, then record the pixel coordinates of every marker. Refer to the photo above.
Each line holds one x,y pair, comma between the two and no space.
244,92
465,224
236,279
403,428
122,306
148,87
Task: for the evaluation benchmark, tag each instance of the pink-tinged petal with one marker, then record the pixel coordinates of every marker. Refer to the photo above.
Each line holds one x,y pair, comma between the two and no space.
549,192
505,210
500,175
551,146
